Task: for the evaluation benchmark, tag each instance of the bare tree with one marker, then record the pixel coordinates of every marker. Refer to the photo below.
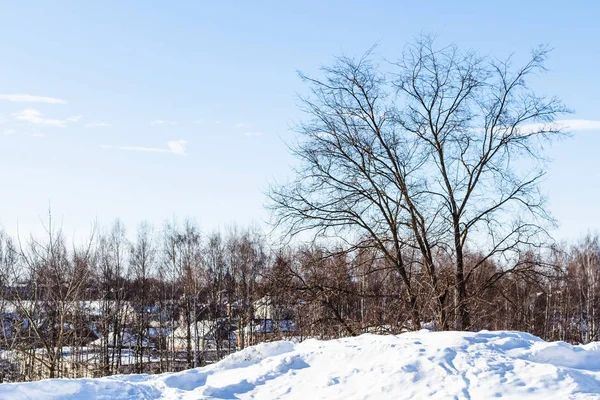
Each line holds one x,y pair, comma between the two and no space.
247,259
111,265
476,119
423,158
183,253
142,257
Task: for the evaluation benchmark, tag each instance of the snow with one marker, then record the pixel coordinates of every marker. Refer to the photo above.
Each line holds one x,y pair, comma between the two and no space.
424,364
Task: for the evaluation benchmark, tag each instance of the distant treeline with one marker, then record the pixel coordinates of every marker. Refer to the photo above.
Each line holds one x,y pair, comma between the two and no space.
176,297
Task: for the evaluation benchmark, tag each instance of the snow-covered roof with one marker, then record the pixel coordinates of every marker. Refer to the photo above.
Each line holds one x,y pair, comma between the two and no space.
268,326
202,328
126,340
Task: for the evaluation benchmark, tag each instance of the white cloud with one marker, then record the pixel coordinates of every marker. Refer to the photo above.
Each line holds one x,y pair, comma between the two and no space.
39,134
173,147
97,124
177,146
2,119
578,125
10,131
162,122
27,98
75,118
33,116
240,125
255,134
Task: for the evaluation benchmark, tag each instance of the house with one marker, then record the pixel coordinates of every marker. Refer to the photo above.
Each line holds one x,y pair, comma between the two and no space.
264,308
265,330
204,335
125,341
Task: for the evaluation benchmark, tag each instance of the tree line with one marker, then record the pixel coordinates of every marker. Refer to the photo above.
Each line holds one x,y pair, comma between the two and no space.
112,305
115,304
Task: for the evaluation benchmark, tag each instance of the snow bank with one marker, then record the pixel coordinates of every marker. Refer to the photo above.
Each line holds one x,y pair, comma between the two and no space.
418,365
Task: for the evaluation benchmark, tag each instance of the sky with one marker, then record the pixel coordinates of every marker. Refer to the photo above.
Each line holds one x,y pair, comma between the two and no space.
146,110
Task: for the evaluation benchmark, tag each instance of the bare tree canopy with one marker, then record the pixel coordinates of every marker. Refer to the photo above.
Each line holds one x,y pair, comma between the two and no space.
434,155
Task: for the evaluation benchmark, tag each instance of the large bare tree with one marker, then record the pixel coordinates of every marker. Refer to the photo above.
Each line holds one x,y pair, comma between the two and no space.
438,153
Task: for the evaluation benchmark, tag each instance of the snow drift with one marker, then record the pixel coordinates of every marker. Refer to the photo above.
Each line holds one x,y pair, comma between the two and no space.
418,365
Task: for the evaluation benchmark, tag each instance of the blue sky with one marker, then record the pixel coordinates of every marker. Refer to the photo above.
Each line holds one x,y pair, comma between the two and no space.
154,110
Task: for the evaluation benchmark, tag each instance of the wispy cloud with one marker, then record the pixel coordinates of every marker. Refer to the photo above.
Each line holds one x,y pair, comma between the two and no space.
75,118
97,124
28,98
566,125
10,131
173,147
33,116
578,125
255,134
177,146
39,134
240,125
162,122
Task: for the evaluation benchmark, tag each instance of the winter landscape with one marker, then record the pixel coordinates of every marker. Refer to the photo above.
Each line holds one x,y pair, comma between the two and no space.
299,200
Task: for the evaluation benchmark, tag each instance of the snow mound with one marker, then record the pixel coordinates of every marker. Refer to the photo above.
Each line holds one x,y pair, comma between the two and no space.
417,365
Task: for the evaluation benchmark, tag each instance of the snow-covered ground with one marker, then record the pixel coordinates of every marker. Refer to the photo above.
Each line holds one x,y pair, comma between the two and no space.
419,365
